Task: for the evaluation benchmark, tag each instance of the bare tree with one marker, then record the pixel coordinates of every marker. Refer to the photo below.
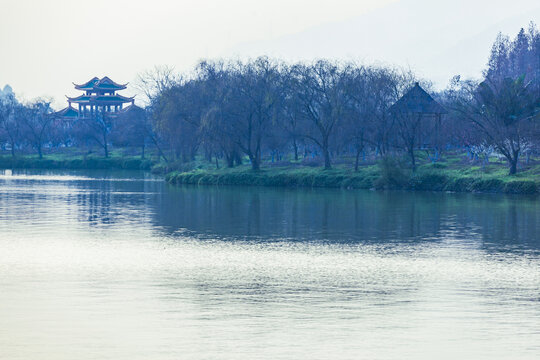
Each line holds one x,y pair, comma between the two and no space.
95,127
291,116
151,83
258,97
383,91
247,103
36,120
132,128
505,112
177,114
216,122
358,127
10,128
320,91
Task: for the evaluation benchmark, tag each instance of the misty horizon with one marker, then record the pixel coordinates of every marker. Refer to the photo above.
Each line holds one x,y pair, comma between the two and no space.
367,35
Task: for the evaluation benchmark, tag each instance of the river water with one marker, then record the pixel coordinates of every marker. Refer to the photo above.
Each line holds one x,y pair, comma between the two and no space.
119,265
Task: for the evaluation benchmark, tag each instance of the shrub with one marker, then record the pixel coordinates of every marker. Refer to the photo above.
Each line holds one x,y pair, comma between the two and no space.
312,162
521,187
392,175
160,169
488,185
131,164
430,181
460,184
439,165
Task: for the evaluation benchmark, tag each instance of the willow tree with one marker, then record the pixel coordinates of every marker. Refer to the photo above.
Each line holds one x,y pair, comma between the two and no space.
320,90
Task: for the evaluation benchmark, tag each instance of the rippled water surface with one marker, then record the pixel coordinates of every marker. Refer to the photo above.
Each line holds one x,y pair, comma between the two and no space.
105,265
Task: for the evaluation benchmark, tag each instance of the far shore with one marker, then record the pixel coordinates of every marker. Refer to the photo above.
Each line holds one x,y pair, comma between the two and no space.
369,179
448,175
75,162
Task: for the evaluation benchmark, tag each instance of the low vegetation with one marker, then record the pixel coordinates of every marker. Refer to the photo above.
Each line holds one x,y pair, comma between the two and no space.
388,173
74,161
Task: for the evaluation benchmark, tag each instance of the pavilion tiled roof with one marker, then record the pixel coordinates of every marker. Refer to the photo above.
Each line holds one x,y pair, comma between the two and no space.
130,108
104,83
68,112
82,99
417,101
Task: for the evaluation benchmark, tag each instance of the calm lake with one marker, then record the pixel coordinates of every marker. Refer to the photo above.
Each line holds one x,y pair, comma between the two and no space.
119,265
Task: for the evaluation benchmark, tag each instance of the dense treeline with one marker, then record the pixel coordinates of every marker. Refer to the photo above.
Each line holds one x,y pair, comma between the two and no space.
35,126
324,112
234,109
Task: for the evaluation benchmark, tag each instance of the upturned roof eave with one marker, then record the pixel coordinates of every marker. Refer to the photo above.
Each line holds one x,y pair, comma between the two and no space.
95,83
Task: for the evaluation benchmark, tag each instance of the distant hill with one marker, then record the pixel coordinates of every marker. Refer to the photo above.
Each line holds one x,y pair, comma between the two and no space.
436,39
7,91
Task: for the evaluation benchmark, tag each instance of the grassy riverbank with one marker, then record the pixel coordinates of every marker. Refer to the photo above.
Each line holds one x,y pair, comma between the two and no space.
386,175
69,161
453,174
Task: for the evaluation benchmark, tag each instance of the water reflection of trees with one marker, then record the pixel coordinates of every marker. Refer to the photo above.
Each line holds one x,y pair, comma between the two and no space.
110,202
95,206
334,215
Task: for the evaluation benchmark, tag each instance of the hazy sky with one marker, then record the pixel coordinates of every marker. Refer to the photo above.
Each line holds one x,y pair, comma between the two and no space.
47,45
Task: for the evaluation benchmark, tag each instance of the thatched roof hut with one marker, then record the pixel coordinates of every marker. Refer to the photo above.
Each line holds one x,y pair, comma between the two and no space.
417,101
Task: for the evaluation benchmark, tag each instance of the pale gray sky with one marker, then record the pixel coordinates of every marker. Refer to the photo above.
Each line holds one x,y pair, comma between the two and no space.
47,45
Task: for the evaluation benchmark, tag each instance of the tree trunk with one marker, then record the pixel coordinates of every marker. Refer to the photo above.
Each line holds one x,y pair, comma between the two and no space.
106,149
513,166
160,152
12,149
513,160
326,154
255,165
295,150
413,160
230,160
142,152
357,160
237,158
40,153
327,163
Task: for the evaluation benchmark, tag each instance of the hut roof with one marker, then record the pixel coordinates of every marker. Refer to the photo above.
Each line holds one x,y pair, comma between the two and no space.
68,112
417,101
130,108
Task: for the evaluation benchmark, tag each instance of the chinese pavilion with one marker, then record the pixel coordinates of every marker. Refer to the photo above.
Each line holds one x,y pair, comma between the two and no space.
99,96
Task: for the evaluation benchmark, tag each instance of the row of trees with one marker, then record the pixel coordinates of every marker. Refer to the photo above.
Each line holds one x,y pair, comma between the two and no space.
27,125
230,111
36,126
234,109
332,109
